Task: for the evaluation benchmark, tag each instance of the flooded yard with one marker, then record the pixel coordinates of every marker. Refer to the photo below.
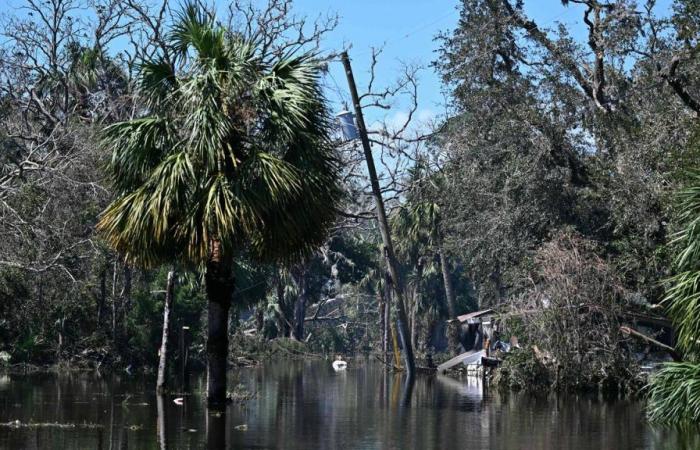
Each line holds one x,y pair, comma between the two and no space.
306,405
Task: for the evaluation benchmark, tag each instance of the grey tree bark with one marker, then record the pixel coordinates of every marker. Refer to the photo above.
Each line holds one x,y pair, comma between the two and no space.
163,353
300,304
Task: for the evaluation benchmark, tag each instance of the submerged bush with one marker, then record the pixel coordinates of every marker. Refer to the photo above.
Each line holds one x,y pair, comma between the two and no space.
522,370
571,314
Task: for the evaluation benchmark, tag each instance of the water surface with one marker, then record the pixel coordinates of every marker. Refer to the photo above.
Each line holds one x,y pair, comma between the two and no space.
306,405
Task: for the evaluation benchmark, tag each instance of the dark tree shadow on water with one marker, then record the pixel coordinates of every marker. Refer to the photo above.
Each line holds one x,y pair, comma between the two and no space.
407,391
216,430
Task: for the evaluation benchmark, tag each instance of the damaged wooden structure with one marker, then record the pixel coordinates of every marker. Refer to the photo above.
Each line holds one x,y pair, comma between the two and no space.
477,338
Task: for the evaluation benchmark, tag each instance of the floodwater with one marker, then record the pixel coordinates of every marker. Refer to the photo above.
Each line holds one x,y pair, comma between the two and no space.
306,405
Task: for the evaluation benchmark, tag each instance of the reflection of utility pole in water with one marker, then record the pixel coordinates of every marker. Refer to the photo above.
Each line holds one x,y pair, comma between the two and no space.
396,382
397,353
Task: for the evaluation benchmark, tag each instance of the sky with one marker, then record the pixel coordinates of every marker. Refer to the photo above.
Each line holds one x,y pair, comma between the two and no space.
406,29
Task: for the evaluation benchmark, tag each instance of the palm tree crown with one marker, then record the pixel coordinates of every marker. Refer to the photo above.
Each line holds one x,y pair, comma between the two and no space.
230,152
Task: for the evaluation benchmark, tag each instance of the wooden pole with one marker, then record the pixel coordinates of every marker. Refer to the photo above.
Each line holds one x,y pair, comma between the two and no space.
388,252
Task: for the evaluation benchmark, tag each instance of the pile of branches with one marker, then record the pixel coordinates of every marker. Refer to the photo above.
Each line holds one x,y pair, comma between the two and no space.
569,321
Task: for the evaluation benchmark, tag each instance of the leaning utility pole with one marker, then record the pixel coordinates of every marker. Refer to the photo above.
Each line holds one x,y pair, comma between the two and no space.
389,255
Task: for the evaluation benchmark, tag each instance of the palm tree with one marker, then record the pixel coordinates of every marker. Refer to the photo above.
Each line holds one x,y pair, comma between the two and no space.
230,156
674,394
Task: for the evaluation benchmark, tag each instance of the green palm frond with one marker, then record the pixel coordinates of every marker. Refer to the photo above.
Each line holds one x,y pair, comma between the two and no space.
233,149
195,29
157,83
683,304
137,148
683,293
674,392
674,395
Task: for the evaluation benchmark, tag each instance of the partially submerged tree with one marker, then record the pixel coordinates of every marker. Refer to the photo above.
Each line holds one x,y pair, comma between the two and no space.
231,156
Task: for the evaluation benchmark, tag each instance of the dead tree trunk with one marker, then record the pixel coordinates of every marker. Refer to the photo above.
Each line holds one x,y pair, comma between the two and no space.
283,325
126,297
102,298
382,306
387,316
163,353
114,301
299,276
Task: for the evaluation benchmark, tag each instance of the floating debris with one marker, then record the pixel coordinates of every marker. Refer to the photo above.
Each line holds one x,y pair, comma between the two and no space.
179,401
19,424
243,427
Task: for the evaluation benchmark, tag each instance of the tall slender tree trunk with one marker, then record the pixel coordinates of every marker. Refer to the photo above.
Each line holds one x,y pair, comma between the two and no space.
387,316
102,298
282,323
416,302
300,304
219,286
114,301
447,281
382,306
163,354
452,329
126,297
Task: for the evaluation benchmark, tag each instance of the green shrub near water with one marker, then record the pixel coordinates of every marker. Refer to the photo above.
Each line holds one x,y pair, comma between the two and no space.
674,392
521,370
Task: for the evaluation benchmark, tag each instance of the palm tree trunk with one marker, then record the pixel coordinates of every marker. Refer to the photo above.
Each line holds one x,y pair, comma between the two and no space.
449,287
452,329
219,286
163,354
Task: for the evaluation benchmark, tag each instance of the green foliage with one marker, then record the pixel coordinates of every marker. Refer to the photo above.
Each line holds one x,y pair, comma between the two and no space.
522,370
235,149
144,321
674,394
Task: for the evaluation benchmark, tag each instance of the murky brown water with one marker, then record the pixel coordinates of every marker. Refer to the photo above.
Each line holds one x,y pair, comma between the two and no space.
306,405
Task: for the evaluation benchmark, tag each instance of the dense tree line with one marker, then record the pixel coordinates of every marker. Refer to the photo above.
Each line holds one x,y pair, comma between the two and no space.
552,147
